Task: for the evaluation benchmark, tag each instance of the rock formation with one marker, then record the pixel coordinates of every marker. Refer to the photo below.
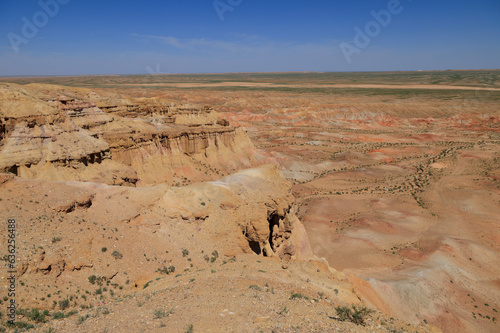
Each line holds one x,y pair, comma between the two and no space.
53,134
248,212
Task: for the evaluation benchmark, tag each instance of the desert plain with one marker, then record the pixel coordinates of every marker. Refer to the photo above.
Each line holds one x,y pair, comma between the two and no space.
252,202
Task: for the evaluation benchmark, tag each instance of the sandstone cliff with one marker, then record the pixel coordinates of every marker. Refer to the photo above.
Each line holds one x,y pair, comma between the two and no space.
52,133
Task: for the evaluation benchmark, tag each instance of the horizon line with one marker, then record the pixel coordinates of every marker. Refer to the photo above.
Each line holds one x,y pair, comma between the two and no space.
256,72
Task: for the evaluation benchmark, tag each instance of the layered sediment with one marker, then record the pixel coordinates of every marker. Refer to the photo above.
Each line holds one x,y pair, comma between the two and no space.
56,135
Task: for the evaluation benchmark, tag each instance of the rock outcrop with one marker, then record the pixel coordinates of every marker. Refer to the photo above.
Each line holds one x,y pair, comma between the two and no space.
248,212
56,134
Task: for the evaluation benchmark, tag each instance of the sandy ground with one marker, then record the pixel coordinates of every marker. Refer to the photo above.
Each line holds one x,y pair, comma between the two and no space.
408,209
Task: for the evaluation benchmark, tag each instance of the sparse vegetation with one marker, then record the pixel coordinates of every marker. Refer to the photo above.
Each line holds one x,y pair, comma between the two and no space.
117,255
295,295
56,239
159,313
61,315
166,270
81,319
284,311
92,279
354,314
64,304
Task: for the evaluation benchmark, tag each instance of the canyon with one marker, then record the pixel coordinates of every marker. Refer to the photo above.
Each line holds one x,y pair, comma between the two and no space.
178,193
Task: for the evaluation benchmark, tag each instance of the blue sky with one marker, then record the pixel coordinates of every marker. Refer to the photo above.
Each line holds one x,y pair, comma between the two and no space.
206,36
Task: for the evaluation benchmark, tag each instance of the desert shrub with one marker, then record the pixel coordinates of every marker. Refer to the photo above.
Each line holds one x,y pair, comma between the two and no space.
117,255
58,315
72,312
82,319
284,310
21,324
166,270
297,295
64,304
354,315
98,279
92,279
159,313
37,316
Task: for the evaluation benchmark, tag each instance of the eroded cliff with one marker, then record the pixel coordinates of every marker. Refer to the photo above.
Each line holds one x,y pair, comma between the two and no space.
55,133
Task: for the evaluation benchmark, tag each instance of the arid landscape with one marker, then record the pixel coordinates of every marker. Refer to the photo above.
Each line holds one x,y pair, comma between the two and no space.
252,202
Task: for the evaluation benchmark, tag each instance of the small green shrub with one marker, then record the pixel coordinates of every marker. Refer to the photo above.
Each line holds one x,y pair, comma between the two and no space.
117,255
58,315
22,324
159,313
355,315
82,319
166,270
297,295
36,315
284,310
92,279
72,312
64,304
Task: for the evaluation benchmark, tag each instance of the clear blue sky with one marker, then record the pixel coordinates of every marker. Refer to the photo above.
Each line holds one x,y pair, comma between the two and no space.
188,36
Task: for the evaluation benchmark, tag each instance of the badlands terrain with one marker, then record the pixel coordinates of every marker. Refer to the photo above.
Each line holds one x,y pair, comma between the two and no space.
253,202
